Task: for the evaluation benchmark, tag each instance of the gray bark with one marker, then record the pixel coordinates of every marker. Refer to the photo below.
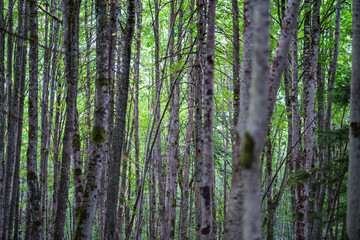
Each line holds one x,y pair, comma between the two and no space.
71,10
100,127
353,204
198,130
32,178
45,133
207,180
2,114
12,111
233,226
184,184
255,130
173,137
121,106
236,67
18,108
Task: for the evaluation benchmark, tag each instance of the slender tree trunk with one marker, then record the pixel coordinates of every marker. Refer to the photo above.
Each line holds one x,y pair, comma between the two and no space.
77,168
54,65
71,10
2,115
208,160
20,70
12,111
14,126
88,37
254,135
309,107
123,88
173,137
236,67
301,226
233,226
32,179
198,131
157,153
353,206
45,133
184,207
100,127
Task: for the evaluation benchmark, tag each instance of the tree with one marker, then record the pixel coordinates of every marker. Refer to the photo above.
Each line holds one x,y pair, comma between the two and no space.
71,10
123,88
353,207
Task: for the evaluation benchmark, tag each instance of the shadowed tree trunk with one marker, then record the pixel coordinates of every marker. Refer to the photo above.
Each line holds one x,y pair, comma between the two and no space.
198,130
353,204
11,126
121,106
18,107
71,10
2,113
32,178
236,67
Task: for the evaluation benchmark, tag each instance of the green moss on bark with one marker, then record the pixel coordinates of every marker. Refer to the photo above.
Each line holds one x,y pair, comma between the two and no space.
98,134
355,129
247,153
76,143
102,82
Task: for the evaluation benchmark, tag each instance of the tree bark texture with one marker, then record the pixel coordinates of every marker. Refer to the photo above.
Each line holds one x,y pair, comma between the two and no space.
173,137
123,88
2,114
208,148
198,130
353,204
233,226
32,177
255,130
71,10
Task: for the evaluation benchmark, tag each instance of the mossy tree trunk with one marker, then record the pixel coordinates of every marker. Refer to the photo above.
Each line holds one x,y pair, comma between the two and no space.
233,226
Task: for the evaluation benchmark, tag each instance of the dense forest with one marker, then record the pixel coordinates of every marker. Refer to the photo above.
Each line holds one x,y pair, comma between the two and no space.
180,119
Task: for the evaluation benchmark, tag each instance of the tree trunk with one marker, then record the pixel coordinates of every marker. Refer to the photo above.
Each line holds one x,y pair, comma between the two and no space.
198,130
20,70
71,10
255,131
2,115
353,204
45,133
12,110
123,88
208,160
173,137
32,179
233,226
157,152
236,67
